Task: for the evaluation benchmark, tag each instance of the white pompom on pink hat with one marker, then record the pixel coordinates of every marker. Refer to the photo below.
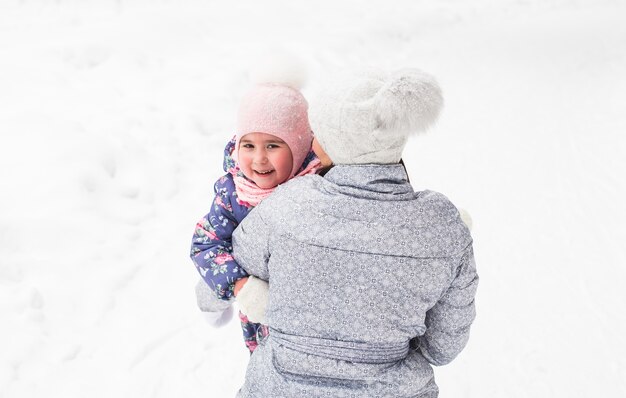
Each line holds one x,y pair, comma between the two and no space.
276,106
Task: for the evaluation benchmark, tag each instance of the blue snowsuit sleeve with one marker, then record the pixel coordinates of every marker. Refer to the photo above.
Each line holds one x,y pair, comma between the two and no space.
211,247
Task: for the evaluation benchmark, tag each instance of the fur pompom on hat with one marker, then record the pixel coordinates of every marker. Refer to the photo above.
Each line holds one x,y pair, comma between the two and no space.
276,106
368,117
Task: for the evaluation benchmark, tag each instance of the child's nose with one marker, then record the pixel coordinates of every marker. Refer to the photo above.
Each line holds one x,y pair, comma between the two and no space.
260,157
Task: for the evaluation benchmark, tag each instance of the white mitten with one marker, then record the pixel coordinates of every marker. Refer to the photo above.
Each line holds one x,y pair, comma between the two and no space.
218,319
466,218
215,312
253,299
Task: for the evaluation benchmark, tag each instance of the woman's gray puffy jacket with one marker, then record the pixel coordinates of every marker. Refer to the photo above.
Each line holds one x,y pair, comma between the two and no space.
370,284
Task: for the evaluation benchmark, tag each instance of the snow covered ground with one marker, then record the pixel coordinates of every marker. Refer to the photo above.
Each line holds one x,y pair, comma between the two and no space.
113,116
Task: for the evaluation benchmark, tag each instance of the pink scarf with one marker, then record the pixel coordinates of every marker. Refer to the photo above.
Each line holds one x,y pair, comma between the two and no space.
249,193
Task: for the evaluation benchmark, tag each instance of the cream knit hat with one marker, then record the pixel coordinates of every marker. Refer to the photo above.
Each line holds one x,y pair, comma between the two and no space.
367,117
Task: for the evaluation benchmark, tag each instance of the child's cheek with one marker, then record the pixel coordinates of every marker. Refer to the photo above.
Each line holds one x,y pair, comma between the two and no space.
244,162
286,163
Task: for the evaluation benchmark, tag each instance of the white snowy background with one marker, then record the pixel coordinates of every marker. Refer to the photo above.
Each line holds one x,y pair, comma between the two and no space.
113,117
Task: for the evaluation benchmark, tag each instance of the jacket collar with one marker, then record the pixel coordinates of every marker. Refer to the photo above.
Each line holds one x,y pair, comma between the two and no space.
378,178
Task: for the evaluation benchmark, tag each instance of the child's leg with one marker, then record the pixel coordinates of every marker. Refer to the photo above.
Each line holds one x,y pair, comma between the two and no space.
249,332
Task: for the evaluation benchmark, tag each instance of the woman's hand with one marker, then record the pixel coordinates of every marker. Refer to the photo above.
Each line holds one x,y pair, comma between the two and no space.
239,284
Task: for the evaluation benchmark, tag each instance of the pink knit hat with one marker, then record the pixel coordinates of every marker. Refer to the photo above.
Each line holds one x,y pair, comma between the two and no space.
278,110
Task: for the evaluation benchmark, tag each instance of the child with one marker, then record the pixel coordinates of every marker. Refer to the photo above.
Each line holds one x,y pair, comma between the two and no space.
272,145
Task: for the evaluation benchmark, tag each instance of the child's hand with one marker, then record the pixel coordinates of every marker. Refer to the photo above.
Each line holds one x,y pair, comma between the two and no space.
238,285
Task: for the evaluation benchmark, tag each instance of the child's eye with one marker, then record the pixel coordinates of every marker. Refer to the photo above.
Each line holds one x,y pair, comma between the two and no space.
273,146
248,146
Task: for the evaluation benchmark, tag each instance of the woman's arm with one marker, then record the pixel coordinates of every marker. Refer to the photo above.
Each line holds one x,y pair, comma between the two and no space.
448,322
251,242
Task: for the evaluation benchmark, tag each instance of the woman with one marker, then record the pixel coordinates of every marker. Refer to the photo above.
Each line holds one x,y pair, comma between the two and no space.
370,282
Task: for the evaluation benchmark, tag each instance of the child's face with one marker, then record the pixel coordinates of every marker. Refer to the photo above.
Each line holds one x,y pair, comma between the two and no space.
265,159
